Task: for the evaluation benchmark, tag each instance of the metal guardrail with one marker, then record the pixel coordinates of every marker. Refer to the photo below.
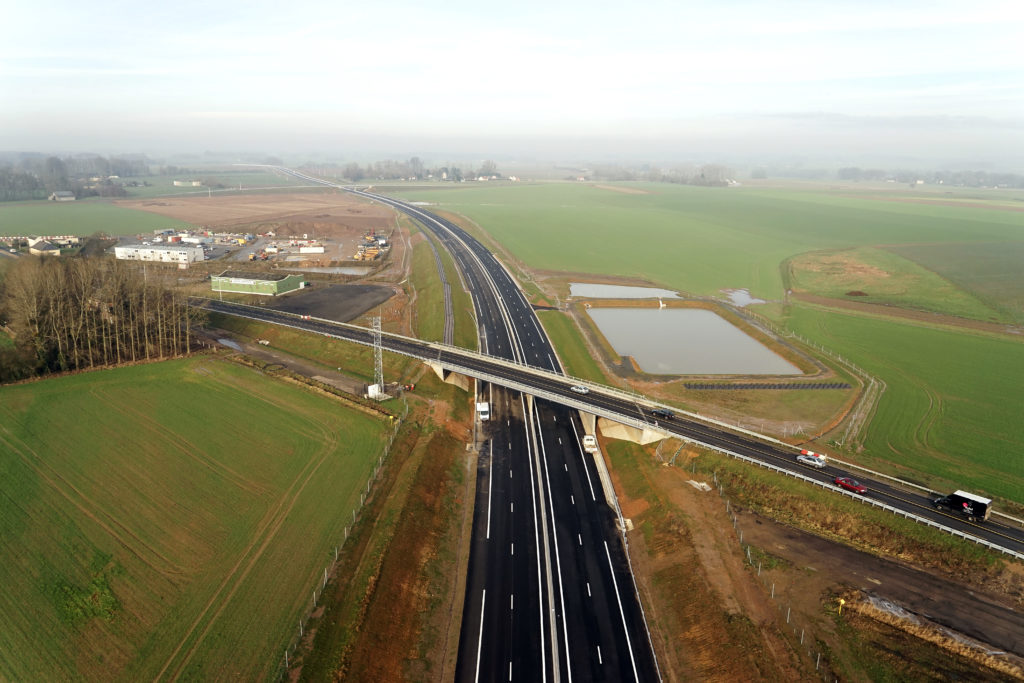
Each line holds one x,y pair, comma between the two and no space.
869,501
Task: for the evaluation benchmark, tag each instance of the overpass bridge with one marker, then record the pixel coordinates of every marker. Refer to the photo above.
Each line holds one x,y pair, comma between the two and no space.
627,413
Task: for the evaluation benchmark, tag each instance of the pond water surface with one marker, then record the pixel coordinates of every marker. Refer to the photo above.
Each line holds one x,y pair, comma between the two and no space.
686,341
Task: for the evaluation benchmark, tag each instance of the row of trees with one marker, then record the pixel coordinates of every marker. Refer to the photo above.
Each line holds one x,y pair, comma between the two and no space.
35,177
76,313
414,167
954,178
684,174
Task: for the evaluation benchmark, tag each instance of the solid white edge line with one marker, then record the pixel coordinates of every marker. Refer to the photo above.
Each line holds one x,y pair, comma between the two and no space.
490,479
618,598
480,640
536,535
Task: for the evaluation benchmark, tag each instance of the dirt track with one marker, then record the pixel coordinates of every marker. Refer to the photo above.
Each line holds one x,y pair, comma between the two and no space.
821,563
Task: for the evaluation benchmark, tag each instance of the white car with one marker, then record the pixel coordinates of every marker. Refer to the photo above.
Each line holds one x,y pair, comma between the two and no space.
813,460
589,443
579,389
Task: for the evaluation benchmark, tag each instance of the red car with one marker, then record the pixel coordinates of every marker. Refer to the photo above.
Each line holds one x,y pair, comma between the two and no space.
850,484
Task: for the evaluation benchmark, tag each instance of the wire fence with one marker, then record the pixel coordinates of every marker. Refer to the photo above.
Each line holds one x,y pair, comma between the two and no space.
329,571
803,639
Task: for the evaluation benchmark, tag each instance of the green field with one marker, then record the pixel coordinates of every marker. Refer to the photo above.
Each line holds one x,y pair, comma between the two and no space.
78,218
952,406
992,272
878,276
702,240
951,410
168,520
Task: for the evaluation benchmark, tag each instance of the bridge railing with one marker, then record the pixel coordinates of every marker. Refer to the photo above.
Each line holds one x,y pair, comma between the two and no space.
867,501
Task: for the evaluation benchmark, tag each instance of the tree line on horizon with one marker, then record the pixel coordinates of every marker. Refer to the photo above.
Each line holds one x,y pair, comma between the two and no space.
79,313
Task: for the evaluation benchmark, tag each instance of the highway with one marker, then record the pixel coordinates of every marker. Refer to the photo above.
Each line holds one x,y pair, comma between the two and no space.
549,594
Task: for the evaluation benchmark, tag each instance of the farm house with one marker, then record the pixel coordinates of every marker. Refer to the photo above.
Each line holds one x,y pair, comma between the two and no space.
266,284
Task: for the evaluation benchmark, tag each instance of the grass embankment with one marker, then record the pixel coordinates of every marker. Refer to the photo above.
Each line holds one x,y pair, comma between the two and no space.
354,359
392,613
176,526
572,348
845,520
948,415
989,271
870,275
79,218
429,319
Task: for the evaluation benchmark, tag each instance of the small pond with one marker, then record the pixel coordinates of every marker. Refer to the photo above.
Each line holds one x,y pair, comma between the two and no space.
742,297
594,291
686,341
334,270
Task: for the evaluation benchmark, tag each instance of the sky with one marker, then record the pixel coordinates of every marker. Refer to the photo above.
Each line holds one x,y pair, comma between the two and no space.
664,81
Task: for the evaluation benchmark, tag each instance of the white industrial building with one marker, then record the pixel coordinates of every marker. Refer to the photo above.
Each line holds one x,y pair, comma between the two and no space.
169,253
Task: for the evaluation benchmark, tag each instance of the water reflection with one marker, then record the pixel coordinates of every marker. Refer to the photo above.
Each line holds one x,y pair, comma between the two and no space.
686,341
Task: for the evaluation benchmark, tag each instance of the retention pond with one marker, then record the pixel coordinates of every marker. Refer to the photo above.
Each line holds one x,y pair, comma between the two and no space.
686,341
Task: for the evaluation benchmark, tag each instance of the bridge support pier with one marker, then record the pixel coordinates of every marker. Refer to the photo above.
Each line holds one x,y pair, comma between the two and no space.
447,376
616,430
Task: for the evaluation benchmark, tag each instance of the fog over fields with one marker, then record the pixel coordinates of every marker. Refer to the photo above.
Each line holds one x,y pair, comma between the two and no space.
928,84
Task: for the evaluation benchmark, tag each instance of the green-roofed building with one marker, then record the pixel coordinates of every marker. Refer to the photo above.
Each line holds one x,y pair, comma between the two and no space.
265,284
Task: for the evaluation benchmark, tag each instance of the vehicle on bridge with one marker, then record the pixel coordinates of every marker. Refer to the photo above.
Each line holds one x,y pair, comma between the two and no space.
663,413
579,389
975,508
850,484
812,459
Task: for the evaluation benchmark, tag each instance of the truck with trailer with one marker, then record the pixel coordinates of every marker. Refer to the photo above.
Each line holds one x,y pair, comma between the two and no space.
973,507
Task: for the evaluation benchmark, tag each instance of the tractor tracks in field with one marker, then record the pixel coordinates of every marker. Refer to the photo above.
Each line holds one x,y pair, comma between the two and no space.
265,534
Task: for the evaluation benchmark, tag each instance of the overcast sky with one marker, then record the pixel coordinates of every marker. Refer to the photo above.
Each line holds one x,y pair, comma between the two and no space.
585,79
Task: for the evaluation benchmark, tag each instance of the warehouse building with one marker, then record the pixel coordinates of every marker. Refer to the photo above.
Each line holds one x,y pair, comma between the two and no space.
265,284
171,253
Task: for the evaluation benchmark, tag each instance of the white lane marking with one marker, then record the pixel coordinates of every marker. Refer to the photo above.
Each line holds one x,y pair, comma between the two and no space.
558,555
588,589
513,551
511,507
599,660
552,361
510,473
480,640
510,671
559,441
579,538
566,466
555,418
527,426
490,478
572,498
512,602
621,611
